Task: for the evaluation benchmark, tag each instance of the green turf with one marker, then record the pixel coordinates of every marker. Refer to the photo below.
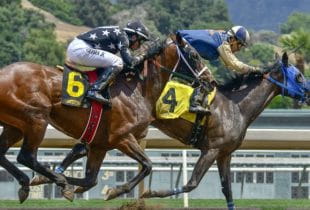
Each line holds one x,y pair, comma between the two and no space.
263,204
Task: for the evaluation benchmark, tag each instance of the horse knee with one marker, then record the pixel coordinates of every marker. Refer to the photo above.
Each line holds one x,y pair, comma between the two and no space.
79,150
148,168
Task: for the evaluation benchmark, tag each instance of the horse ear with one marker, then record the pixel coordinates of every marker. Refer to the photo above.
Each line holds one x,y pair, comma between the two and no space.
285,59
277,56
179,39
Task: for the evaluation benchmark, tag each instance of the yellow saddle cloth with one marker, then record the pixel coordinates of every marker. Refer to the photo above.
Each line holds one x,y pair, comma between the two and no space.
174,101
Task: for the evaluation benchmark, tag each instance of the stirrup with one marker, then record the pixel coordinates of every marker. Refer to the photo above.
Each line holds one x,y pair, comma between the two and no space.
98,97
199,110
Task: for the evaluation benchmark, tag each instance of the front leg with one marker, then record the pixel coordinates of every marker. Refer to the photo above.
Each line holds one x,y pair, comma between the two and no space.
95,157
130,147
223,164
205,161
78,151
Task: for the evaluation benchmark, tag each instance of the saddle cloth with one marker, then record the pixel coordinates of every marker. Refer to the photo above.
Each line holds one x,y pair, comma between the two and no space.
174,102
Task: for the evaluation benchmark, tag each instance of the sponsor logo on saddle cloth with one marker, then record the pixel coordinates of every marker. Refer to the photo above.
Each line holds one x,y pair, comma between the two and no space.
174,102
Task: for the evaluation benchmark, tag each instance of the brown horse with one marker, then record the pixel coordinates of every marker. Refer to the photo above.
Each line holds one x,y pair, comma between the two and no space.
30,98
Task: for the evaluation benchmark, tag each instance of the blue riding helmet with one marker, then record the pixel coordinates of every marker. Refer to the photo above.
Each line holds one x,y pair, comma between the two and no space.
241,34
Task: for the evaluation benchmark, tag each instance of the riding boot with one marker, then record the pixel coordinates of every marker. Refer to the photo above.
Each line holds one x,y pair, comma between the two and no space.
196,101
107,76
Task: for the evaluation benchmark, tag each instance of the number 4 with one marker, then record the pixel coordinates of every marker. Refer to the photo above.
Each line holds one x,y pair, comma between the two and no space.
170,99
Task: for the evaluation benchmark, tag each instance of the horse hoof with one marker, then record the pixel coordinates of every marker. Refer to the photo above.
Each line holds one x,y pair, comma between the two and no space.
68,194
111,193
80,190
39,179
23,193
146,194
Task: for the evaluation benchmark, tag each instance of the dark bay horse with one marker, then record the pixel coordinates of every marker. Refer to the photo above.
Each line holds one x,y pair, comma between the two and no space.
30,98
232,113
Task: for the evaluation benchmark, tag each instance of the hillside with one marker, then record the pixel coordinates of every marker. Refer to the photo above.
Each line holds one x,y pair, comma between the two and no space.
264,14
64,31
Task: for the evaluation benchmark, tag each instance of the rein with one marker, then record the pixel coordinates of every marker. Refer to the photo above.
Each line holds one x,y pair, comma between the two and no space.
173,72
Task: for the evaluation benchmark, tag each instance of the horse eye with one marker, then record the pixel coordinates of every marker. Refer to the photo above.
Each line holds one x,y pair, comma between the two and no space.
299,78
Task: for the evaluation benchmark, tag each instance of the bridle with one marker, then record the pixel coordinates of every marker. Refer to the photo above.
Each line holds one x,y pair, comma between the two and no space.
296,93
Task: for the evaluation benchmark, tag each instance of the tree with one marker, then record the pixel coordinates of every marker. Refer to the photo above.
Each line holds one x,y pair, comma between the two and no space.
24,35
40,46
295,22
170,16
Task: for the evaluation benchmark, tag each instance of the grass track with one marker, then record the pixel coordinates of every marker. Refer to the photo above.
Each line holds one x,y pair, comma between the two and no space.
169,203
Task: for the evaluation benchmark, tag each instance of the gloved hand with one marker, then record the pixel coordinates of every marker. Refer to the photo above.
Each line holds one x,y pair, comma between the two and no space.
259,70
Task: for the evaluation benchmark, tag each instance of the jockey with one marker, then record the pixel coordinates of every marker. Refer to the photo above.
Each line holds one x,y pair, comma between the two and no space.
98,48
214,44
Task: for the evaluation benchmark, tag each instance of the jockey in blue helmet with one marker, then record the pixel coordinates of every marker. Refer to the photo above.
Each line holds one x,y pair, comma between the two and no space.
215,44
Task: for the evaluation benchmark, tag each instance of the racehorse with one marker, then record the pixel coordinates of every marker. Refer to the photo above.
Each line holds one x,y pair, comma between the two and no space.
232,113
30,99
27,107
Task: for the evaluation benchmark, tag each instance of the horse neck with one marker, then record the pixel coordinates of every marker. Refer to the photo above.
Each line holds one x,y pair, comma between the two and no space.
257,99
157,78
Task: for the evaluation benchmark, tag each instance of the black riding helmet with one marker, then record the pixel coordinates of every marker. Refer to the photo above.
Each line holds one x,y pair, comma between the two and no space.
138,28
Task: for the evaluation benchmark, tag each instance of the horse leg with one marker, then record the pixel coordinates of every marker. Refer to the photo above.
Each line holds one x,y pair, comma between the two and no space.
131,148
205,161
78,151
10,136
95,157
223,164
33,136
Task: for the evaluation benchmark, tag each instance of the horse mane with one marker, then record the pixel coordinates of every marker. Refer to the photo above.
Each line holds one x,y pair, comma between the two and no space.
240,84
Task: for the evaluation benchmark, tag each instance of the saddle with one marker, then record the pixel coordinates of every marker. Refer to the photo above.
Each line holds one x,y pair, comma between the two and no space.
76,81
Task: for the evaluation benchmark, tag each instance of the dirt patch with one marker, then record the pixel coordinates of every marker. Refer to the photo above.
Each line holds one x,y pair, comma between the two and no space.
64,31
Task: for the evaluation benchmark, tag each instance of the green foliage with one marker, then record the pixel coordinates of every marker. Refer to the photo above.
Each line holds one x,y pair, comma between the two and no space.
40,46
257,54
269,37
170,16
16,31
280,102
79,12
167,16
94,14
63,9
7,2
295,22
298,41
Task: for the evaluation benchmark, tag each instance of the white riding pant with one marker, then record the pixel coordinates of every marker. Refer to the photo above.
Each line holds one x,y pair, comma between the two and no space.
84,54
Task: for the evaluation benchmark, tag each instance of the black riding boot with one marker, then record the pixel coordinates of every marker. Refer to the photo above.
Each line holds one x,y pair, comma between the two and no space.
196,102
108,75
